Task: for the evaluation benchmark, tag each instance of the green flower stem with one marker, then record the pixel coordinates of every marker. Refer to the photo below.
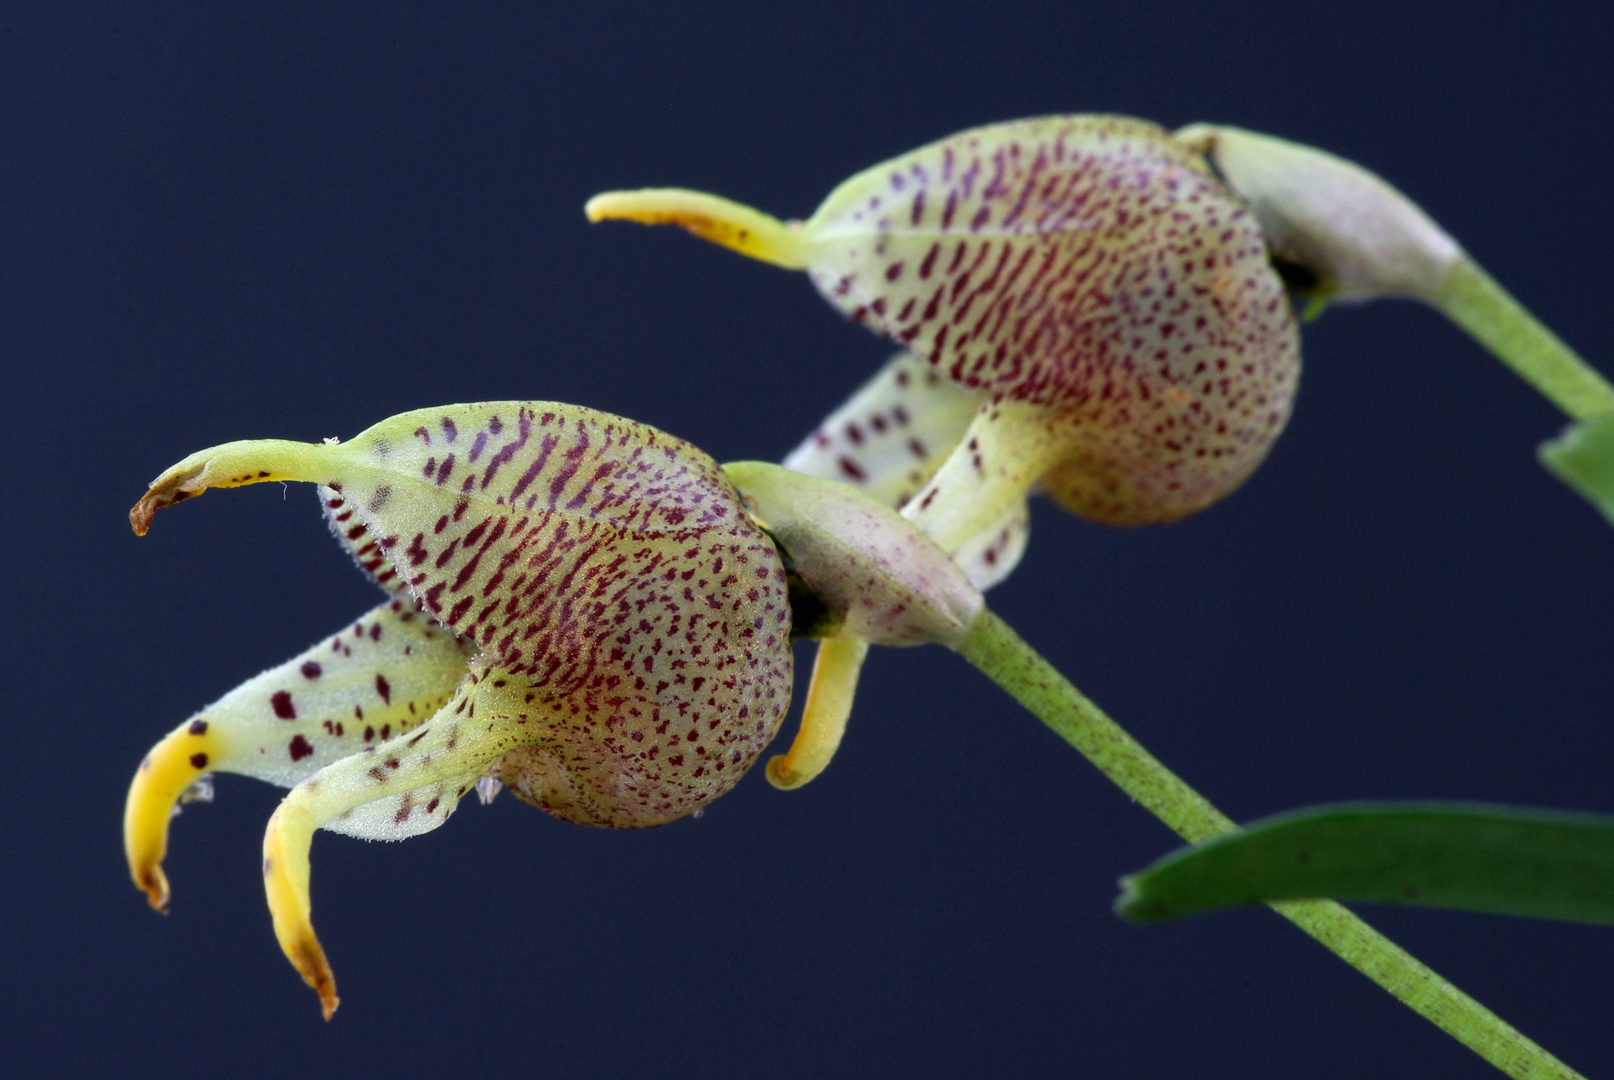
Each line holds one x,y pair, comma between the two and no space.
1473,300
993,647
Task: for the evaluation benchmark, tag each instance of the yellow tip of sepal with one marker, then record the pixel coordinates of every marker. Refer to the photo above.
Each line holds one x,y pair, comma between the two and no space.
171,767
729,224
285,882
824,716
235,464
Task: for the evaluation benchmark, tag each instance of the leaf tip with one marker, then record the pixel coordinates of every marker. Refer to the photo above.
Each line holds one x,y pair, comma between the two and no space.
1131,905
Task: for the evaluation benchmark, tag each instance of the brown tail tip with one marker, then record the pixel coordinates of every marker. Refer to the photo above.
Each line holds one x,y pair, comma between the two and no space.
142,512
155,884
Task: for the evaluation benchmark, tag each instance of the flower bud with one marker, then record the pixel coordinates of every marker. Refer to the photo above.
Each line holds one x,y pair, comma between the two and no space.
888,583
1358,236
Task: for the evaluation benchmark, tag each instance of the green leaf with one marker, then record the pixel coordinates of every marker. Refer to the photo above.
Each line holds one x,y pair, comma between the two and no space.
1583,458
1506,860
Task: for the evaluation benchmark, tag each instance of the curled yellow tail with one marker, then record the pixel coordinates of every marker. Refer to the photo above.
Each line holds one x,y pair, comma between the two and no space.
748,231
171,767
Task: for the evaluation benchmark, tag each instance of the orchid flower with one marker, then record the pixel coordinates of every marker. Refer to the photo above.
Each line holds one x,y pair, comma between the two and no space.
1092,307
585,610
1110,302
582,610
1109,292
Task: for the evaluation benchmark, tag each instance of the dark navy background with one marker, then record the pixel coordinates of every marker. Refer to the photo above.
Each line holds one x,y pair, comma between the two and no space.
231,221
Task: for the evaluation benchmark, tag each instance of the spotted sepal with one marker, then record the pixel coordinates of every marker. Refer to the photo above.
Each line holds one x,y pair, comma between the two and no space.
410,784
351,532
892,435
992,554
1041,259
379,676
404,787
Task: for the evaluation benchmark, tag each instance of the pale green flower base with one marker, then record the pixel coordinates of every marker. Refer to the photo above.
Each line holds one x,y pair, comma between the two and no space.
994,648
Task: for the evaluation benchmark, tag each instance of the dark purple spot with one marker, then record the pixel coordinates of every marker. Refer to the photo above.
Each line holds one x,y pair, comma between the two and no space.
283,706
198,727
299,748
198,761
310,670
382,687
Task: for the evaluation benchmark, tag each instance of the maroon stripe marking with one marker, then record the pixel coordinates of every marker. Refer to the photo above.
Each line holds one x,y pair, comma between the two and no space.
535,468
470,566
508,451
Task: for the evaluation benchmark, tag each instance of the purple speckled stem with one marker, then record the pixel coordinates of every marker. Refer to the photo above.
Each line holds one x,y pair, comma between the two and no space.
1000,653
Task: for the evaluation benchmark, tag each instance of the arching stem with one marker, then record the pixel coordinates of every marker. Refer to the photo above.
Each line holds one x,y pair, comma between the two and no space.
993,647
1473,300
